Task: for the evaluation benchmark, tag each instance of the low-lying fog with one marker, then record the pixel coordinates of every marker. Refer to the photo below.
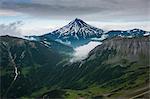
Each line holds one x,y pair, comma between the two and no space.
81,52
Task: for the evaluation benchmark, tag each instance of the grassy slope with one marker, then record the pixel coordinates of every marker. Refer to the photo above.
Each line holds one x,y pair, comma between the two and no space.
104,74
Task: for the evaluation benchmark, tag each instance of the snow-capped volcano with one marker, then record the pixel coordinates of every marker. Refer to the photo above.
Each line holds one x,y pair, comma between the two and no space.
77,29
77,32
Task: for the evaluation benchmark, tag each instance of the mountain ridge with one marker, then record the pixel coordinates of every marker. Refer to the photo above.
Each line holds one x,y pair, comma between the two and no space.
77,28
42,67
77,33
111,68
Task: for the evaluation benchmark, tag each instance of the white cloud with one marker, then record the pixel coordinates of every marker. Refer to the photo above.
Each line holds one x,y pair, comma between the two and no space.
107,26
12,29
8,13
35,31
103,37
81,52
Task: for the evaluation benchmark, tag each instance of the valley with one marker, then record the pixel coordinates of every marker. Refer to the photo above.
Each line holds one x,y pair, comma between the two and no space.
115,64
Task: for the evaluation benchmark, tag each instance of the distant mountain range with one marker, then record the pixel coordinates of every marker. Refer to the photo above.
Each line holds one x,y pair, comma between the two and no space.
128,33
78,33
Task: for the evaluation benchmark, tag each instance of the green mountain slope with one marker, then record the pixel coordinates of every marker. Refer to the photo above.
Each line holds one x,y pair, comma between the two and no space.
26,65
117,68
112,69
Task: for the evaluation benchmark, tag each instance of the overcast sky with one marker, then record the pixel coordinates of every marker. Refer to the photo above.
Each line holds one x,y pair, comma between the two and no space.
41,16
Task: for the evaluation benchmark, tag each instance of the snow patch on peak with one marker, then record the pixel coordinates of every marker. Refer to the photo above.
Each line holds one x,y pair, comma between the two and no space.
77,29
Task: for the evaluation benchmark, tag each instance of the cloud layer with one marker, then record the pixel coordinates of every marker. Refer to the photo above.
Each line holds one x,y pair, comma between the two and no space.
81,52
11,29
99,10
104,14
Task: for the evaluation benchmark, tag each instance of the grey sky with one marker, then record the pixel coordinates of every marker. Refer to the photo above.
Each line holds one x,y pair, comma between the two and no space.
43,16
93,10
